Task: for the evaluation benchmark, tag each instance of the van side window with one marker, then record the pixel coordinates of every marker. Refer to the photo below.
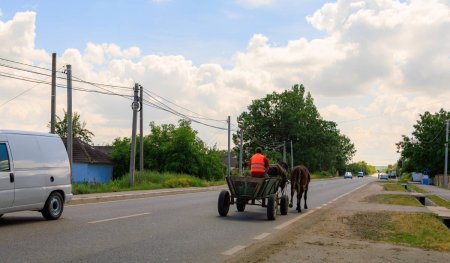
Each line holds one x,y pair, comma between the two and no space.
4,158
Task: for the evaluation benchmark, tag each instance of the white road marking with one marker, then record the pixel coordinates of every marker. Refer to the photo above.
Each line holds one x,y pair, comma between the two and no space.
233,250
113,201
116,218
285,224
262,236
133,199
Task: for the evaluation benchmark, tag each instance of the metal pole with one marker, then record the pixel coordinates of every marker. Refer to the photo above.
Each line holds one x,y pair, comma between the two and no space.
292,156
141,131
446,157
53,96
229,151
135,106
240,154
69,115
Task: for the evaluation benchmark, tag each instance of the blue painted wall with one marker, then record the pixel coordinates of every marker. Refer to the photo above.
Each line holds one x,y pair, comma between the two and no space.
85,172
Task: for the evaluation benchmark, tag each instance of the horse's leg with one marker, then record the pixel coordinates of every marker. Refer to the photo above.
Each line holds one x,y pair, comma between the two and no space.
306,196
299,198
292,192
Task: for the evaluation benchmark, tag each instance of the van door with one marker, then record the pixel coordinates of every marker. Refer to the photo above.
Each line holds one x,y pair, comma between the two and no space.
29,171
6,177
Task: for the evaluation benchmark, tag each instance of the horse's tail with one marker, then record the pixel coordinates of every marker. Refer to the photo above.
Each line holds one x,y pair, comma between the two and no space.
295,177
305,176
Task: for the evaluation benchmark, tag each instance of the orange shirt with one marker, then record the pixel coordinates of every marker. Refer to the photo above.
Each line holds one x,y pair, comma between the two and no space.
258,165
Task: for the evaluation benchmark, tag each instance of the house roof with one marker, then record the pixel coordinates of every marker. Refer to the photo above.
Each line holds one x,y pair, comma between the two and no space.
107,149
85,153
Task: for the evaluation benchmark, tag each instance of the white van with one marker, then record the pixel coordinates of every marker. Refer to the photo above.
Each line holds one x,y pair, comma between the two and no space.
34,173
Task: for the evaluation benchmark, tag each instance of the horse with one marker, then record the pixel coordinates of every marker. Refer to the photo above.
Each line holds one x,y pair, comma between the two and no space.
279,169
300,178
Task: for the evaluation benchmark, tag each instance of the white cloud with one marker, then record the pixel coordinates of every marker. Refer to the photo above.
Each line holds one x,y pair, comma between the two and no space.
380,64
255,3
338,114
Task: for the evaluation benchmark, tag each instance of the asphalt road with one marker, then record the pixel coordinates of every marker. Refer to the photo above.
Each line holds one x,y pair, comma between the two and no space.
175,228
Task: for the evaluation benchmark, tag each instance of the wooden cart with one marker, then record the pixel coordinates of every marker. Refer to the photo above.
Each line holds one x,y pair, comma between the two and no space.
247,190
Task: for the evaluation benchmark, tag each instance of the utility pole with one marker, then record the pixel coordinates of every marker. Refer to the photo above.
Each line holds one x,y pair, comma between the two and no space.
229,151
284,151
69,115
53,96
240,153
135,107
446,157
141,131
292,156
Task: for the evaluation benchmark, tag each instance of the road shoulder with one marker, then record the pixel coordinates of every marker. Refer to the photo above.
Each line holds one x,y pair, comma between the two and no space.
324,236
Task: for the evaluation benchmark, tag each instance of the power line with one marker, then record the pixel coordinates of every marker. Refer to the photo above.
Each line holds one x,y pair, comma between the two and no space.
161,106
97,85
200,116
148,103
26,70
12,61
32,80
40,73
23,92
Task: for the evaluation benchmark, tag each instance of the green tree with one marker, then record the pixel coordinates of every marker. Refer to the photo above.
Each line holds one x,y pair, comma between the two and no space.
79,129
170,148
361,166
424,150
292,115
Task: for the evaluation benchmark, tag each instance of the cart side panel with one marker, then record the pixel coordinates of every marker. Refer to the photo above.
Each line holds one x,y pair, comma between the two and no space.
245,186
231,185
270,187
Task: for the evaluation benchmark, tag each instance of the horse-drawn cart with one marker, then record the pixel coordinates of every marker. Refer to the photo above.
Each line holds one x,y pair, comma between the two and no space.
246,190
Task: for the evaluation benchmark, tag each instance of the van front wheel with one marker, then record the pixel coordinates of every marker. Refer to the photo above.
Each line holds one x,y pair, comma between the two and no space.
54,206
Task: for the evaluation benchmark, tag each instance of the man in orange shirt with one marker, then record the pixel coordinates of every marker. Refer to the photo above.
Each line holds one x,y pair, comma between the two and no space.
258,164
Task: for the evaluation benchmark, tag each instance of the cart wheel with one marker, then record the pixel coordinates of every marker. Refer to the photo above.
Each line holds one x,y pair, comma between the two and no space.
223,204
272,207
284,204
240,205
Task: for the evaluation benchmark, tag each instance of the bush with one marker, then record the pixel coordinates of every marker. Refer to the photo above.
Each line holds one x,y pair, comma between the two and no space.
143,181
171,149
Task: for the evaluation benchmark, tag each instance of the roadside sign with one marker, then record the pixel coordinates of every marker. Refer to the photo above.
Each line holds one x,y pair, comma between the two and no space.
135,105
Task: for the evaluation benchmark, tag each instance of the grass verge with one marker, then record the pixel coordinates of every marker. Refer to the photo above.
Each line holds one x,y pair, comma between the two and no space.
439,201
394,187
321,175
422,230
144,181
416,188
392,199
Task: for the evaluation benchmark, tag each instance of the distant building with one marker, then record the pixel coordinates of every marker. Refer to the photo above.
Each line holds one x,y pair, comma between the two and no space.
233,160
90,164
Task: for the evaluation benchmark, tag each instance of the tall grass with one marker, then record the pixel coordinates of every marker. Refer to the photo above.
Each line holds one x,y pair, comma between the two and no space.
422,230
394,187
439,201
147,180
394,199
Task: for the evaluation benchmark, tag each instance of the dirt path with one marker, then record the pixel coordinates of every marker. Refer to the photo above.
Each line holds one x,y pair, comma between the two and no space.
324,236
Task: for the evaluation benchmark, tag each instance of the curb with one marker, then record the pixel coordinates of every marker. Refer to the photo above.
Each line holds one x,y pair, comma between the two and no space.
106,197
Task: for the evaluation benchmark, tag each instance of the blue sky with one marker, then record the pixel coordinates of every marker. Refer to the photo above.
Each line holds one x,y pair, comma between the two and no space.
202,31
372,66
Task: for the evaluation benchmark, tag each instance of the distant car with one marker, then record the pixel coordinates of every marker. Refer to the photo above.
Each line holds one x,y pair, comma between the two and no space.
383,176
360,174
348,175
